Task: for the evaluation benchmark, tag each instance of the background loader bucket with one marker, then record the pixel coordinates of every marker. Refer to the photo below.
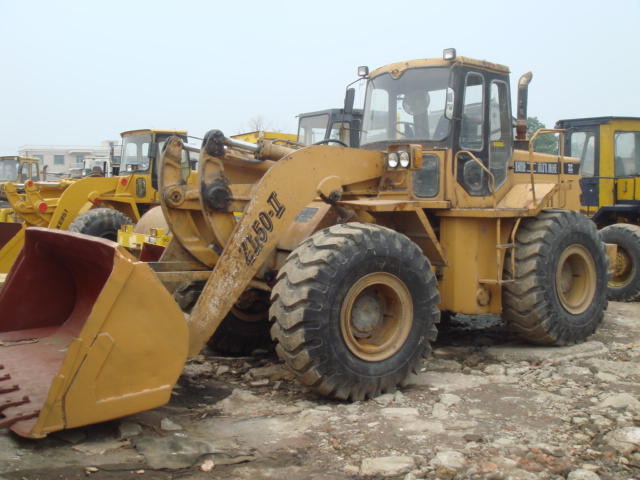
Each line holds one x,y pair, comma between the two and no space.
11,241
87,334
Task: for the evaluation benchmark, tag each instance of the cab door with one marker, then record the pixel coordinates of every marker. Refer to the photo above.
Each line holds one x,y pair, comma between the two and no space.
583,143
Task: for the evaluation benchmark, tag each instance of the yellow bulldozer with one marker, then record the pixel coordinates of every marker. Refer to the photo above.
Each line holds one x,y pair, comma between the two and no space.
609,150
96,206
351,254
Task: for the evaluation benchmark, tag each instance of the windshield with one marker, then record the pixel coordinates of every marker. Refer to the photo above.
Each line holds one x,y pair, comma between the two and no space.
135,153
8,170
312,129
407,108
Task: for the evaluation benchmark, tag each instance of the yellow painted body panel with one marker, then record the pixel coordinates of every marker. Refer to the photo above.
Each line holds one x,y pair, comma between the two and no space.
253,137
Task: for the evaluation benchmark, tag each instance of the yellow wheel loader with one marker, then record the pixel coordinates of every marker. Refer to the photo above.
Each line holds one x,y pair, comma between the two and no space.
16,169
96,206
357,250
609,150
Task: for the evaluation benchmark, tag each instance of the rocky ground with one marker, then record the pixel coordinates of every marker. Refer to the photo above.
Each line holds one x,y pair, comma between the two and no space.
485,407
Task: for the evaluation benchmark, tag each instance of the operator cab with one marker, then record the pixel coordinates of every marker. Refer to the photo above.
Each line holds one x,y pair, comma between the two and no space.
331,126
454,103
19,169
140,151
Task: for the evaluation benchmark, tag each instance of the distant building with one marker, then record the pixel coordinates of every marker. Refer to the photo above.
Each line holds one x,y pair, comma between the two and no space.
63,158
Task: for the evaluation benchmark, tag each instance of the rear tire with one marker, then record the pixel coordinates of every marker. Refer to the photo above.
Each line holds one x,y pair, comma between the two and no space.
100,222
624,284
354,310
559,295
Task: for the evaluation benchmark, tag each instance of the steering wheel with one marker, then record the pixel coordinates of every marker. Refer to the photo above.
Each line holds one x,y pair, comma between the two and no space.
411,124
331,140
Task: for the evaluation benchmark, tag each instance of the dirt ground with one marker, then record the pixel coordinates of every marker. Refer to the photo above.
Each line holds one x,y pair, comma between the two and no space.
484,407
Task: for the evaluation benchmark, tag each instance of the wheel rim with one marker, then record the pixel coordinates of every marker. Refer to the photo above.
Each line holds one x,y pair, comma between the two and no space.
376,316
624,269
576,279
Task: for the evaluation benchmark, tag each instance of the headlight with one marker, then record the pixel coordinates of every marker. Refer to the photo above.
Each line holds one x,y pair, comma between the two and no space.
392,160
405,159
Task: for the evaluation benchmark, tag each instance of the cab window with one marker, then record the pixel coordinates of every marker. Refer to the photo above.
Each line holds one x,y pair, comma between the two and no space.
583,147
627,154
499,131
472,113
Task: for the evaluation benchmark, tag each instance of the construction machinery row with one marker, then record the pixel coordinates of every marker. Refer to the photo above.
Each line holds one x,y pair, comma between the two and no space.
349,254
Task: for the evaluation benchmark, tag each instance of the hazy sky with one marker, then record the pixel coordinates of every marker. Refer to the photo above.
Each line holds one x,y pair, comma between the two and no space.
78,72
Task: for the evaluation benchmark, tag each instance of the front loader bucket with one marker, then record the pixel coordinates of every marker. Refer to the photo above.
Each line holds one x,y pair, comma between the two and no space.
87,334
11,241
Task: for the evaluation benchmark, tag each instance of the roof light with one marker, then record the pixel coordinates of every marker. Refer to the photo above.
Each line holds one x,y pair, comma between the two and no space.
449,54
42,206
363,71
123,182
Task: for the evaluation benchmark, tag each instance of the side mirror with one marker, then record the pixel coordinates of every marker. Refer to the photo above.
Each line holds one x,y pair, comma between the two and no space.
349,98
450,102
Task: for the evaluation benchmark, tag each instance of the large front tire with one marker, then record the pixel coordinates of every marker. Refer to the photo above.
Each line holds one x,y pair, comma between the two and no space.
100,222
354,310
559,293
624,284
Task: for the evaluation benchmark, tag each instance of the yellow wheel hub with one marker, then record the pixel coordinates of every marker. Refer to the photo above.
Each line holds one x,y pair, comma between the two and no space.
624,269
576,279
376,316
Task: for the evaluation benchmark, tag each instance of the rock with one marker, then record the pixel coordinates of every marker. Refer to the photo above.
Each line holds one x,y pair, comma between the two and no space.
621,400
384,399
607,377
351,469
450,460
181,451
620,369
449,399
90,470
260,383
221,370
169,425
399,398
494,370
238,400
443,365
440,411
537,354
386,466
193,369
128,429
582,474
99,447
399,413
449,382
207,465
624,440
574,370
277,371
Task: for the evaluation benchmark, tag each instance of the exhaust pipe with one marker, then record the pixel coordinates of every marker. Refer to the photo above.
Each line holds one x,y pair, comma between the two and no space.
521,119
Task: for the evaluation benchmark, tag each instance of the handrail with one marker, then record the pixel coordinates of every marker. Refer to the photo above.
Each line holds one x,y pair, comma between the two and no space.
532,143
479,162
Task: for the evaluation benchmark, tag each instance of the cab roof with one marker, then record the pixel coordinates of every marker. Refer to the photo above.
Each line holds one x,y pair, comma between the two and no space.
128,133
398,68
19,157
578,122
